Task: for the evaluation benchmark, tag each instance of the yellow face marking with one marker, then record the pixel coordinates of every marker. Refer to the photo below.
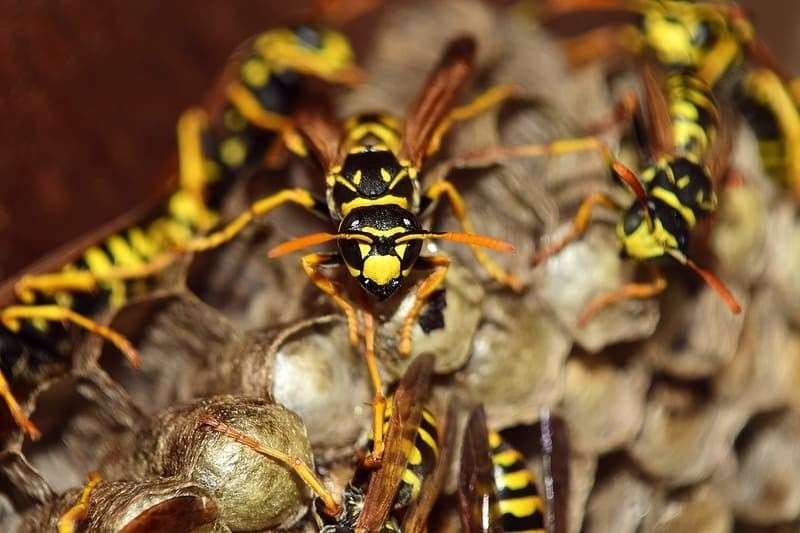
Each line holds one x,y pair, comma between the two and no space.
646,244
364,248
381,269
281,48
683,182
340,180
401,250
403,174
385,175
255,72
357,178
232,151
353,271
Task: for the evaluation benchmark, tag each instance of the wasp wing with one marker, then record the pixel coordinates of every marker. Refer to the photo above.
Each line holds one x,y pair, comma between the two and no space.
403,425
416,518
654,112
477,497
322,131
436,99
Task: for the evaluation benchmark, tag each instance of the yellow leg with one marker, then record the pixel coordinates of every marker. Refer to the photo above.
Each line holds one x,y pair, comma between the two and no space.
373,459
24,423
68,521
252,110
424,289
579,225
86,280
719,59
11,316
794,90
492,97
257,209
459,210
311,264
628,291
299,466
193,178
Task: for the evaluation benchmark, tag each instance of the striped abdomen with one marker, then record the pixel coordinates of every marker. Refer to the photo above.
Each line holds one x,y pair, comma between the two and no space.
521,507
422,458
693,114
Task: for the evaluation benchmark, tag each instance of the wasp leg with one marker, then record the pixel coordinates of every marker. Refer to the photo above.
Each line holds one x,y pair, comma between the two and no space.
68,521
487,100
610,43
86,280
299,466
17,413
311,264
424,289
794,90
628,291
191,161
251,109
719,59
445,187
373,459
257,209
11,316
579,225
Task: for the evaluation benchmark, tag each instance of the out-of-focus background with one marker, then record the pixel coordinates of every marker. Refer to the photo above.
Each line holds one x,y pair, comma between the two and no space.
90,93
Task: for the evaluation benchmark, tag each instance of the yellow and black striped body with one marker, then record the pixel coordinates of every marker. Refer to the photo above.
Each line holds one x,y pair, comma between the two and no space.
522,509
766,103
274,65
678,185
376,193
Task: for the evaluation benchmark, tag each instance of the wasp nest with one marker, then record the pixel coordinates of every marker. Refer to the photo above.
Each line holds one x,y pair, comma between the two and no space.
681,417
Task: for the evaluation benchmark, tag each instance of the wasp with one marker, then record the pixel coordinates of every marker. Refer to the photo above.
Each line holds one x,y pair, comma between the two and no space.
718,42
103,270
686,152
372,166
496,490
400,494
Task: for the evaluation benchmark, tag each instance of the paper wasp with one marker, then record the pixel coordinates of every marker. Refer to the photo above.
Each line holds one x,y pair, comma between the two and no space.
719,43
372,165
496,490
103,270
686,152
400,494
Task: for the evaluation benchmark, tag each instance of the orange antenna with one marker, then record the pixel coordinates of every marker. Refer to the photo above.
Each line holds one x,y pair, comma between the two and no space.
311,240
464,238
711,280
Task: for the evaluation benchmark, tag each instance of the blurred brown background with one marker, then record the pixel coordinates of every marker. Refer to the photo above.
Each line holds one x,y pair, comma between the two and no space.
90,92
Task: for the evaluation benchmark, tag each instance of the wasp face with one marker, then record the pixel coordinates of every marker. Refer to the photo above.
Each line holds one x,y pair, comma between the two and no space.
382,260
675,35
647,232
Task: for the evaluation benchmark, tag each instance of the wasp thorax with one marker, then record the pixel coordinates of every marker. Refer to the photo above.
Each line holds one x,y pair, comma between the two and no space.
384,255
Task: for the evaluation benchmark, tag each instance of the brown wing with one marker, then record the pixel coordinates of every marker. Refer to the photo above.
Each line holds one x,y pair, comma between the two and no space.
72,250
182,513
436,98
476,494
655,113
718,159
314,120
416,519
403,425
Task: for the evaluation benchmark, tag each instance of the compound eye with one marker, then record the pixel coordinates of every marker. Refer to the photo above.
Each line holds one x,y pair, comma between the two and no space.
354,252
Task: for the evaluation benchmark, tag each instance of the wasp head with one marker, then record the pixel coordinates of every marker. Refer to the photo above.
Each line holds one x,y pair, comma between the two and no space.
386,250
